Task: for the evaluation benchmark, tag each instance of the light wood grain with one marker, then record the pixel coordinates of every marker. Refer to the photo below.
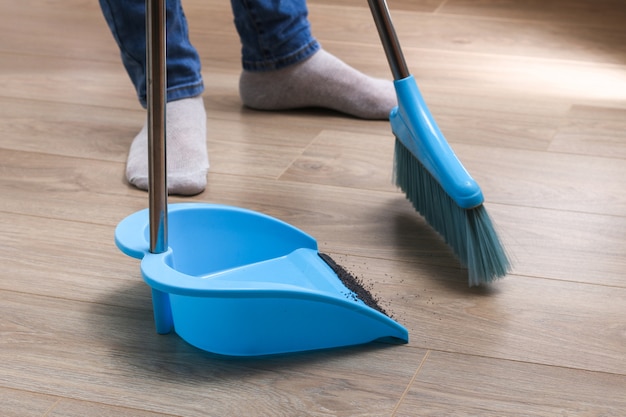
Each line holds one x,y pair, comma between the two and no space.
42,127
129,363
593,130
600,13
19,403
459,385
463,32
530,95
73,408
66,28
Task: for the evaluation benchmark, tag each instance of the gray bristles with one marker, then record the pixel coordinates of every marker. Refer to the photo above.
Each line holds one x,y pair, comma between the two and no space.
470,233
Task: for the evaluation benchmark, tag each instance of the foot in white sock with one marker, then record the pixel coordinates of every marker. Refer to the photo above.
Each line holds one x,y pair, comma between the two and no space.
187,159
320,81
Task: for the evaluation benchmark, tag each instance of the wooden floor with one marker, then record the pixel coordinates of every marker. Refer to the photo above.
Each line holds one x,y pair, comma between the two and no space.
531,95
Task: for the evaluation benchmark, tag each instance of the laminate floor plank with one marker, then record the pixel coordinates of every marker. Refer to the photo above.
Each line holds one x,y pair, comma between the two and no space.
488,387
65,80
126,363
64,28
73,408
74,130
593,131
556,181
18,403
604,13
516,177
539,321
64,259
501,37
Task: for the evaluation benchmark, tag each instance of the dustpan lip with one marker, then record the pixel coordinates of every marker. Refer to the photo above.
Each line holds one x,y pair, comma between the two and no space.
158,273
162,277
237,283
132,233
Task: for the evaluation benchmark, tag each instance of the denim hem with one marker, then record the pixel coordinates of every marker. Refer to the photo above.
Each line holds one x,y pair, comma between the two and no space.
285,61
178,93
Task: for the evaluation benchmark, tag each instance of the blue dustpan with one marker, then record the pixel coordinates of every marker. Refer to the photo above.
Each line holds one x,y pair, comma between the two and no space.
237,282
232,281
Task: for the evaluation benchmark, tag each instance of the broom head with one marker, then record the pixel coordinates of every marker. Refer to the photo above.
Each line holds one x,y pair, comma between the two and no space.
441,190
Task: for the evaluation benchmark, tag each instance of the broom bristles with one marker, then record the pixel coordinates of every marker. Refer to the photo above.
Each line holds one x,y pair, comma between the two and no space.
469,232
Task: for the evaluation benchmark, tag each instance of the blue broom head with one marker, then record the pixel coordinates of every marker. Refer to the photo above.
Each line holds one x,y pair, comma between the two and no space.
441,190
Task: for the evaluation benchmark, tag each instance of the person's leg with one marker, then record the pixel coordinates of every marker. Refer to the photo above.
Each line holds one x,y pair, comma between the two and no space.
284,66
187,160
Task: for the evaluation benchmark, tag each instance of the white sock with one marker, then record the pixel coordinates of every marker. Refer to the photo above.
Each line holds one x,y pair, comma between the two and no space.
320,81
187,158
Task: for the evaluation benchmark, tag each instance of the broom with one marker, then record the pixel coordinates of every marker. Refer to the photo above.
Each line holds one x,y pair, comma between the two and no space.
429,173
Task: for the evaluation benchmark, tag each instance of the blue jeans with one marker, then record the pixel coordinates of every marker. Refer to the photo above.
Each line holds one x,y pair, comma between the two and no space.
274,34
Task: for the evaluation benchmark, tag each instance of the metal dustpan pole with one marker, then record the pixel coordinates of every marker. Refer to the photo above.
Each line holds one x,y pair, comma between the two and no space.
156,94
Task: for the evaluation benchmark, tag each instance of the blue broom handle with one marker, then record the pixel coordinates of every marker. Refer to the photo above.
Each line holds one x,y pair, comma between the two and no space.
156,92
389,39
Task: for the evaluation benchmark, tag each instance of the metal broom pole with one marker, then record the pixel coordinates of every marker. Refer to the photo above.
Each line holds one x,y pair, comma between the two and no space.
389,39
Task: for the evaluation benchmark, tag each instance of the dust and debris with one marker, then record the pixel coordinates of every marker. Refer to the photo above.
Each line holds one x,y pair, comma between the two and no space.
359,290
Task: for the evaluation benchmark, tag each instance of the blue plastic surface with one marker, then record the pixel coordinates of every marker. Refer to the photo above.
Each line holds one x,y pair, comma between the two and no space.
413,124
237,282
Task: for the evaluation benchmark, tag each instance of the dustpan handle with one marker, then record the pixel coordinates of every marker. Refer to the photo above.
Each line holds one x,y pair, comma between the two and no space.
388,36
156,92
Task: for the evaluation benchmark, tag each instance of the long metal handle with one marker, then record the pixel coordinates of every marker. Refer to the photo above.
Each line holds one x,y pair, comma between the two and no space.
388,36
156,92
